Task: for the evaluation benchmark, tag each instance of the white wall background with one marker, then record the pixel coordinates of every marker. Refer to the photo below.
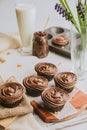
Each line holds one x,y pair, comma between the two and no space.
43,8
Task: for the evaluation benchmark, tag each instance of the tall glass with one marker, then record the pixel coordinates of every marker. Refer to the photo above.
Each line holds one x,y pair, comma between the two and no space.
79,52
26,22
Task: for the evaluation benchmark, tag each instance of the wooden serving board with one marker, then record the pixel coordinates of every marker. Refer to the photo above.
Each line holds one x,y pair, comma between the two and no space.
79,102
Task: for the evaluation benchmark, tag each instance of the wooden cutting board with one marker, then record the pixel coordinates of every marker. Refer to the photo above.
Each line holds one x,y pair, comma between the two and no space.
79,102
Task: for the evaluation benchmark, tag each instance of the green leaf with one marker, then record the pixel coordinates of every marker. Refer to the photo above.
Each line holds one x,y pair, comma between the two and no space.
86,14
66,6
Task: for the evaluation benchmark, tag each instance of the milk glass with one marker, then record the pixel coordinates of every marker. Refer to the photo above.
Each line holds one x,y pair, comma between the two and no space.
26,23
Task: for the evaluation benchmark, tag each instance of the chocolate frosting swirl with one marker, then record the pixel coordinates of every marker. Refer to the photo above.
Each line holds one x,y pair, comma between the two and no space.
10,92
46,68
60,40
35,82
54,96
66,79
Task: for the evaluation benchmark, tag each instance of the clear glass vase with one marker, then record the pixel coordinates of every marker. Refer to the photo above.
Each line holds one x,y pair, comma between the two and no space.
79,51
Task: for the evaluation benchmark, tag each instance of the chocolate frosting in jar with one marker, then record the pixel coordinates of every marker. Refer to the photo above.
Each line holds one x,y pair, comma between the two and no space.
40,44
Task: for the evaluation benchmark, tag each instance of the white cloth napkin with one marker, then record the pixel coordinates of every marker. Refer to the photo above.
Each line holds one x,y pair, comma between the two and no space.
69,123
8,41
26,122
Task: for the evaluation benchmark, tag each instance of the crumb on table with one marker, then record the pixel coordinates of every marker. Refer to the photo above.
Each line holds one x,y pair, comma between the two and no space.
8,53
2,60
19,65
59,63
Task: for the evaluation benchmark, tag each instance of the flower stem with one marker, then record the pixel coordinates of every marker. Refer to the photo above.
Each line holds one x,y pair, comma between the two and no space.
86,14
66,6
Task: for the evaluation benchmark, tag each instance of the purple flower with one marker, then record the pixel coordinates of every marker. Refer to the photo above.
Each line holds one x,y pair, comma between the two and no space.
81,10
62,11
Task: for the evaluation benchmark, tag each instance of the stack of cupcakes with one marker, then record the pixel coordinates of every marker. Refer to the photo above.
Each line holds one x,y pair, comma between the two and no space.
54,98
65,80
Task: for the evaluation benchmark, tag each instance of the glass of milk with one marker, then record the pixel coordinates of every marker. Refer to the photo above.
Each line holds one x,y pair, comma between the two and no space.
26,22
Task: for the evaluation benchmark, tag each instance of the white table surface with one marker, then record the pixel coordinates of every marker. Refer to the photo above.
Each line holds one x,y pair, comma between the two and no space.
8,24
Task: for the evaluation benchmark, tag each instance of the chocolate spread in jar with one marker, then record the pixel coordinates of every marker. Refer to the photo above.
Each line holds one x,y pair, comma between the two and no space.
40,44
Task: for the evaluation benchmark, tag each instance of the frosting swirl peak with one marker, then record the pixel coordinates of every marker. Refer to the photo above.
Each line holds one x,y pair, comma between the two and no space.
46,68
10,92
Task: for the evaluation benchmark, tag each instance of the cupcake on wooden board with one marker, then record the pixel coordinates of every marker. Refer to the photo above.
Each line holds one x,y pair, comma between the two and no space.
11,94
48,70
35,85
65,80
54,99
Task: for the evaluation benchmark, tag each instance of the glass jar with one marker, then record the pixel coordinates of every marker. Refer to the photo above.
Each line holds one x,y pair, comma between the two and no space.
79,52
40,44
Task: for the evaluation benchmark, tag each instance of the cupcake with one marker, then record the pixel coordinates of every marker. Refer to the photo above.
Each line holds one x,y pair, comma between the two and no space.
48,70
35,85
60,40
54,99
11,94
65,80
